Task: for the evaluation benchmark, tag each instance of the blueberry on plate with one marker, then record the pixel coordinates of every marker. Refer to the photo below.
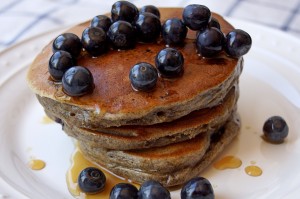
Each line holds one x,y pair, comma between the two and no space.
124,191
148,27
275,129
237,43
153,190
77,81
94,41
150,8
91,180
169,62
124,10
197,188
174,31
210,42
196,16
101,21
122,35
59,62
143,76
68,42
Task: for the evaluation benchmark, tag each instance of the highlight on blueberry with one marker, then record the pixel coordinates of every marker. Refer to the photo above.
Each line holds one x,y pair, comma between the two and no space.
237,43
153,190
197,188
169,62
122,35
77,81
94,41
91,180
143,76
124,10
210,42
59,62
124,191
101,21
174,31
67,42
196,16
151,9
275,129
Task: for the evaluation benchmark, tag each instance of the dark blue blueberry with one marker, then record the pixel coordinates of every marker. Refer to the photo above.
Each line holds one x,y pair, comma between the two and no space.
174,31
237,43
153,190
148,27
196,16
59,62
210,42
214,23
94,41
124,10
275,129
91,180
197,188
169,62
150,8
143,76
122,35
77,81
101,21
124,191
68,42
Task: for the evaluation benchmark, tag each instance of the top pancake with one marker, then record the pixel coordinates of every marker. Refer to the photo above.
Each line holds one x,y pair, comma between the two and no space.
204,83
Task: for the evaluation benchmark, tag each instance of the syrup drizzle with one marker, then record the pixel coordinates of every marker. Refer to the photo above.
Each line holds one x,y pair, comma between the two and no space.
36,164
228,162
253,170
78,163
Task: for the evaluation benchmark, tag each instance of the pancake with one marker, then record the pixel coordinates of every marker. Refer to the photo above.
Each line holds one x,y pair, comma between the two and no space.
204,84
134,137
130,162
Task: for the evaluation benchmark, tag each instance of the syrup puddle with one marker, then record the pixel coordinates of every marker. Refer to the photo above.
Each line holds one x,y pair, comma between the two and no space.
228,162
253,170
78,163
36,164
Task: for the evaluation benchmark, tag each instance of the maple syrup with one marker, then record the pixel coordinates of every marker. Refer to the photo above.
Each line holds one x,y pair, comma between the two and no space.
78,163
253,170
228,162
46,120
36,164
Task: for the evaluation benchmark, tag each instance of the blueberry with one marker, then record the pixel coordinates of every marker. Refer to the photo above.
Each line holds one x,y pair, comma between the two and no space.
94,41
210,42
122,35
174,31
196,16
150,8
68,42
169,62
143,76
124,10
77,81
275,129
153,190
91,180
59,62
101,21
124,191
237,43
197,188
148,27
214,23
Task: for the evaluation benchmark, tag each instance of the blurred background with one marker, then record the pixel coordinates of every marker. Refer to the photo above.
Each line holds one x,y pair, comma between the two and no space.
23,19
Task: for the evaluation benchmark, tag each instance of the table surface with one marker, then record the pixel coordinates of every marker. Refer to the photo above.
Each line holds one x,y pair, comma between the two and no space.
23,19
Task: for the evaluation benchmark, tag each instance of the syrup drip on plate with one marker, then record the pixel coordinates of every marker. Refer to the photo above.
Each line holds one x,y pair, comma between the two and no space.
78,163
46,120
228,162
36,164
253,170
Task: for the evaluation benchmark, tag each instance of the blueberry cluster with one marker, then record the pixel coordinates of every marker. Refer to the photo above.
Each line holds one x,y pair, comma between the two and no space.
92,180
128,25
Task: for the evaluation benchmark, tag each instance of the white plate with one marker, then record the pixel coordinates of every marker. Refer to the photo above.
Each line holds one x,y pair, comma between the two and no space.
270,85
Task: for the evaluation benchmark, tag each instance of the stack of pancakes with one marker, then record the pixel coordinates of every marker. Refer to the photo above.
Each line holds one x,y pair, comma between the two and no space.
169,134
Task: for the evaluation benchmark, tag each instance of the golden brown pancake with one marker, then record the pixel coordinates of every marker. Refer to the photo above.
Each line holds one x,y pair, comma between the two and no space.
205,83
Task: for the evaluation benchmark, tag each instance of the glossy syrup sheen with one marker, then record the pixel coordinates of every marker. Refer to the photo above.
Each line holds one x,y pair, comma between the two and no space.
228,162
113,92
36,164
78,163
253,170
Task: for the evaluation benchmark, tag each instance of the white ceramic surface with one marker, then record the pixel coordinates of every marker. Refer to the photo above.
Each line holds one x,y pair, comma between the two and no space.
270,85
